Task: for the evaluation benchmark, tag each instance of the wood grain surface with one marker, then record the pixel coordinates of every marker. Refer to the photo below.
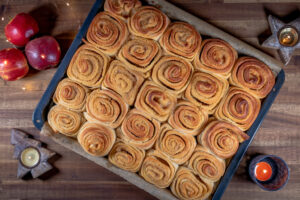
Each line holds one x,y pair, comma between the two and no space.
78,178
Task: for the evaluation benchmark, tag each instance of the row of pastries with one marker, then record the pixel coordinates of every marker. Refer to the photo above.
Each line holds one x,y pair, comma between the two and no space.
157,100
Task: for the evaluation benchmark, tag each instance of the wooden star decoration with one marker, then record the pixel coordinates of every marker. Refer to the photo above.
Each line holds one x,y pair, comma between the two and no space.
23,144
276,41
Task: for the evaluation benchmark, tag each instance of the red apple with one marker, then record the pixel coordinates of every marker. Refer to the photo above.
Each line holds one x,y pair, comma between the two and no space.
43,53
20,29
13,64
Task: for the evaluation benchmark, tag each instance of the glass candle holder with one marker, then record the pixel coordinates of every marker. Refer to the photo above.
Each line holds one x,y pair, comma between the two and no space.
269,172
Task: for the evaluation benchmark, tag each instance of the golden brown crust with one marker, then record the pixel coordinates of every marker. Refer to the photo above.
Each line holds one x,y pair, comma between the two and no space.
188,118
187,185
181,39
71,95
216,56
157,169
96,139
178,147
123,81
107,32
155,101
148,22
206,165
238,107
122,8
173,73
222,138
105,107
253,76
64,121
88,66
140,54
139,130
206,90
126,157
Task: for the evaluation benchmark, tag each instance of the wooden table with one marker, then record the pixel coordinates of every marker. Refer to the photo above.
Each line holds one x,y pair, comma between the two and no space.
79,178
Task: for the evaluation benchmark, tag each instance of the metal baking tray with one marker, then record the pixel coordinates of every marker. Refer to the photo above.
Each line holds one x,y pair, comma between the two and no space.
40,113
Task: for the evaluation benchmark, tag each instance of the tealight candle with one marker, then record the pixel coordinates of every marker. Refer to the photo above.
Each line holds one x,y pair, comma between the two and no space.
288,36
30,157
263,171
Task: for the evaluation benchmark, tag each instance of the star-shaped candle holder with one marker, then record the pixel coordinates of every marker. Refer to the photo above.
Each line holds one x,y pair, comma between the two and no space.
285,37
32,157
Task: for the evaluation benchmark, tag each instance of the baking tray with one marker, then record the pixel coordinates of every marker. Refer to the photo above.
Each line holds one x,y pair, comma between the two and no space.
39,117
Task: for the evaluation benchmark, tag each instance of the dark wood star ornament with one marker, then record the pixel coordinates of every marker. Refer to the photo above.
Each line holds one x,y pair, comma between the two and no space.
285,37
32,157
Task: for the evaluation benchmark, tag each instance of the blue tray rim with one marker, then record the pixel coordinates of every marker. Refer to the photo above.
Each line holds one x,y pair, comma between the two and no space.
38,117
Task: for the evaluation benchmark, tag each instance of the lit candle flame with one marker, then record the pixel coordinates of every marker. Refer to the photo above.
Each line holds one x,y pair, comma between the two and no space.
43,56
2,18
5,62
68,4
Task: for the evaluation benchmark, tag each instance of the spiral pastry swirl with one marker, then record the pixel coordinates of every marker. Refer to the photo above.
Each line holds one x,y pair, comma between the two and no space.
105,107
206,165
88,66
155,101
140,54
222,138
172,72
107,32
64,121
181,39
139,130
238,107
158,169
126,157
188,118
148,22
178,147
71,95
123,81
206,90
253,76
122,8
96,139
187,185
216,56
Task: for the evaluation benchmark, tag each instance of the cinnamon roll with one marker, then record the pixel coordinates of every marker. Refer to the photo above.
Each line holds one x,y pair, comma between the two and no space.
188,118
238,107
140,54
253,76
181,39
106,107
178,147
173,73
216,56
126,157
64,121
158,170
88,66
107,32
123,81
96,139
187,185
122,8
206,90
222,138
70,94
139,130
206,165
155,101
148,22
